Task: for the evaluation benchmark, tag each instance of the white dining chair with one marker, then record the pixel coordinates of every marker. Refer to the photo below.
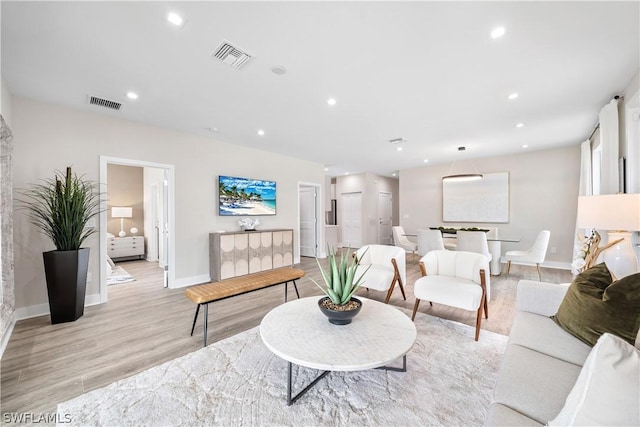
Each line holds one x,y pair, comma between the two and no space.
400,240
534,255
429,240
473,241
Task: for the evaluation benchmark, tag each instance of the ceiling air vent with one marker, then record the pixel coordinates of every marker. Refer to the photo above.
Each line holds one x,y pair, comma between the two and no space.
101,102
232,55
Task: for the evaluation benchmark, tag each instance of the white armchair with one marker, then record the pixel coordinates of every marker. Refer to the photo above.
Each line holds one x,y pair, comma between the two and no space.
429,240
457,279
534,255
400,240
386,266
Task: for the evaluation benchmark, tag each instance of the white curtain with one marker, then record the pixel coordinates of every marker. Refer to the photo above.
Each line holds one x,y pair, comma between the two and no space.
585,169
609,179
586,188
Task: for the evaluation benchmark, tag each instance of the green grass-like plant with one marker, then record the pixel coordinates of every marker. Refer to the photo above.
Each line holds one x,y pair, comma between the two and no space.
61,207
340,281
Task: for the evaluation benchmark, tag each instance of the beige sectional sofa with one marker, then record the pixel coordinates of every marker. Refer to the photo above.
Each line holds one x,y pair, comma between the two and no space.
541,363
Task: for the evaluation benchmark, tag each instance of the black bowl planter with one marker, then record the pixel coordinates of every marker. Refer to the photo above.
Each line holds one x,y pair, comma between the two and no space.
339,317
66,273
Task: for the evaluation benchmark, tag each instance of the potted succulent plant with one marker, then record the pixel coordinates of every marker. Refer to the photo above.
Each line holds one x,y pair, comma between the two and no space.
61,208
340,284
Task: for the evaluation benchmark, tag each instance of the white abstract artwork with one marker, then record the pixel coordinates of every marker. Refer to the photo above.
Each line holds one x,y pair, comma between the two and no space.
485,200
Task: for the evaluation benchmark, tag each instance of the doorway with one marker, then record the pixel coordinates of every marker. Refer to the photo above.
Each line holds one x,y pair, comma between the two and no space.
351,219
161,216
308,199
384,218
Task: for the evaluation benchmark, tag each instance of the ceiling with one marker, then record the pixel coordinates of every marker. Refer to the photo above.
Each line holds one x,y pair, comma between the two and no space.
428,72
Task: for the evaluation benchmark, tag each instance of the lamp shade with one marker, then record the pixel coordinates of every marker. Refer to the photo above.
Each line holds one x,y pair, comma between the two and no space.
609,212
121,212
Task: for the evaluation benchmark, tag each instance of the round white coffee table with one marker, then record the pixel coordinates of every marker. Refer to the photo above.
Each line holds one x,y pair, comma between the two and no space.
299,333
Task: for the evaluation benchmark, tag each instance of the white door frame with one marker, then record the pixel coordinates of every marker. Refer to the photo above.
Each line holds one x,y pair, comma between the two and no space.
321,253
104,160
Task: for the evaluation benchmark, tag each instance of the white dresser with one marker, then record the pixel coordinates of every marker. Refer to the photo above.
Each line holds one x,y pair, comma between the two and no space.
125,247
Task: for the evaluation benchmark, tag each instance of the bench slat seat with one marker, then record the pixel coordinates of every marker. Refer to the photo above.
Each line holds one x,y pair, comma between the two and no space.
216,291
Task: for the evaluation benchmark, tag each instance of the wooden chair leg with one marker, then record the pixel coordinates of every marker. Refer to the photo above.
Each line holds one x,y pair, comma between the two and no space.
390,291
415,309
539,274
479,321
508,267
486,308
402,288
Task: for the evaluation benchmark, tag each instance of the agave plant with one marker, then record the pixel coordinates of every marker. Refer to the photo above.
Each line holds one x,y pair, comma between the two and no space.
61,207
340,281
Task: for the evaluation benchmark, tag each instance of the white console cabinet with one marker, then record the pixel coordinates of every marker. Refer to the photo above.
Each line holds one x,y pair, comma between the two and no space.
125,247
244,252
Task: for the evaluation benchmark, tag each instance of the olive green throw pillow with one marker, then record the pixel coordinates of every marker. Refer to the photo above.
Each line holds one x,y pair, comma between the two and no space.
594,305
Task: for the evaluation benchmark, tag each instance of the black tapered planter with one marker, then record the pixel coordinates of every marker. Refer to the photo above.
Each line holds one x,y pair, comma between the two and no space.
66,273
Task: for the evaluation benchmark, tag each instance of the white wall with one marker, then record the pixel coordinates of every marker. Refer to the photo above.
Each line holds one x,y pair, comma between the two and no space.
543,191
5,102
49,137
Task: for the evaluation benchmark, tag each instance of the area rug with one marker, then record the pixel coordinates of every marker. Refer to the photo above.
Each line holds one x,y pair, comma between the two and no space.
239,382
119,275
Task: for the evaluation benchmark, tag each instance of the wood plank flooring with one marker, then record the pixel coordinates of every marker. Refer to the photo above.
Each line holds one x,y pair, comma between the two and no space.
144,325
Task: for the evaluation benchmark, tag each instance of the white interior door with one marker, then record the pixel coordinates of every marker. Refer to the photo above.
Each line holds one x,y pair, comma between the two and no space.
351,220
308,221
384,218
163,225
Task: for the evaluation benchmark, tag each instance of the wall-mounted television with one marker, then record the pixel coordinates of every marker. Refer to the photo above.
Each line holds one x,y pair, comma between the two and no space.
245,196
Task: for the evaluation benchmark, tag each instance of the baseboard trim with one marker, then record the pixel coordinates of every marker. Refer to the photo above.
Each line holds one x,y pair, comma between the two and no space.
558,265
7,334
189,281
38,310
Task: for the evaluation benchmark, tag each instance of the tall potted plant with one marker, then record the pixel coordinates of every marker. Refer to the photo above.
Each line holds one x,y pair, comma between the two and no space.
61,207
341,282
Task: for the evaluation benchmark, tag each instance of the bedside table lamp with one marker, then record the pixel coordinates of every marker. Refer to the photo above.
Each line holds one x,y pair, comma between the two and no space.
122,213
619,214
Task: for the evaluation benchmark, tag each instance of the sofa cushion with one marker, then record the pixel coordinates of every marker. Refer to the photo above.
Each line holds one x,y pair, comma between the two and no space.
534,384
593,305
541,334
607,391
500,415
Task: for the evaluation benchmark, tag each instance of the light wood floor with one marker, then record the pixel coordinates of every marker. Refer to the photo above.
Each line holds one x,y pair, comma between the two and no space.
144,324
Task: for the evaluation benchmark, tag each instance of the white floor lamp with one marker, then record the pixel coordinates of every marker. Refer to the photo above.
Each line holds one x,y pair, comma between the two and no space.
619,214
122,213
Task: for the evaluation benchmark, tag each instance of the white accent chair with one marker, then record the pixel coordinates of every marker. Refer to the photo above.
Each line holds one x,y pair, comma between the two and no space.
535,255
386,266
474,241
429,240
457,279
400,240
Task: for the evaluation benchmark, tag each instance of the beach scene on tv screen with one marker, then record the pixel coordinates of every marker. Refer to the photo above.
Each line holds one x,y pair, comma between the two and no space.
244,196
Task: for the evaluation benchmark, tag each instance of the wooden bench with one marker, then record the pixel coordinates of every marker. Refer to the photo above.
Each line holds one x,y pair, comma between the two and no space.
216,291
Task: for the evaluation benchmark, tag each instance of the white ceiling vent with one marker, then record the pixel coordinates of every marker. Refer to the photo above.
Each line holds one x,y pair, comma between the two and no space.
101,102
232,55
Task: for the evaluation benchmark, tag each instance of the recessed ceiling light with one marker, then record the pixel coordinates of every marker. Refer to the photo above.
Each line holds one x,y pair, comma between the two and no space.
519,125
331,101
426,160
513,95
175,19
346,173
497,32
260,132
132,95
326,169
525,146
399,148
278,69
393,174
